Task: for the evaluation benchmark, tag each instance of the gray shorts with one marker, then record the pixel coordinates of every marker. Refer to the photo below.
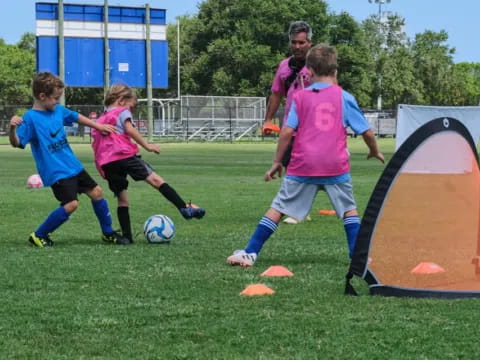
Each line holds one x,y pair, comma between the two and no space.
295,199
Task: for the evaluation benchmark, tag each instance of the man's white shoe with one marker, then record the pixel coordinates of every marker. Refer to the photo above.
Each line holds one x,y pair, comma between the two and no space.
240,257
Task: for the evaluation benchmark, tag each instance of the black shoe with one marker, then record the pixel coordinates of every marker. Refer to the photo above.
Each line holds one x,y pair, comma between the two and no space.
116,238
190,212
39,241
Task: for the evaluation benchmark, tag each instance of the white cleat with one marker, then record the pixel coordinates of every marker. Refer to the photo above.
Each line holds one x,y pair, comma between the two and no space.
241,258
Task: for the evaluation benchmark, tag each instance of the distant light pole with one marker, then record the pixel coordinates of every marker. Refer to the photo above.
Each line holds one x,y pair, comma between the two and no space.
380,3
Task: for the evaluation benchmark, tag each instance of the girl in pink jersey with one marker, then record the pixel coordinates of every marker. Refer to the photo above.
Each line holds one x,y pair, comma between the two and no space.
117,156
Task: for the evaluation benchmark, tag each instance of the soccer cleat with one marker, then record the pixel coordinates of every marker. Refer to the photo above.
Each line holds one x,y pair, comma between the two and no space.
240,257
116,238
291,221
191,212
39,241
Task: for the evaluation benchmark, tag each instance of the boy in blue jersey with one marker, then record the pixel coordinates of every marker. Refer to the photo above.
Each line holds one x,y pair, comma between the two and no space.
43,128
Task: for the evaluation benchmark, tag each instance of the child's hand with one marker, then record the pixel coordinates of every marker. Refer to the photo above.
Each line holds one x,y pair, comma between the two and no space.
15,120
276,168
153,148
377,155
106,129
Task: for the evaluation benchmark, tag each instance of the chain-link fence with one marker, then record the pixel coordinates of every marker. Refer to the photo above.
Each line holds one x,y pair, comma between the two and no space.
198,118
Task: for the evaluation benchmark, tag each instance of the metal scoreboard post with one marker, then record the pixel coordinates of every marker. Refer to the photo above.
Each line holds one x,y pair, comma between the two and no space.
83,28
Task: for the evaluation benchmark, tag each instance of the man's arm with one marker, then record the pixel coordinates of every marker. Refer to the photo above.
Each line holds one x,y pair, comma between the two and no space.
272,107
369,138
282,146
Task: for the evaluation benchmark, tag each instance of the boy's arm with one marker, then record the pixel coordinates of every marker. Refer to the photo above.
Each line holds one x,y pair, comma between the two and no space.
12,133
369,138
135,135
283,142
103,128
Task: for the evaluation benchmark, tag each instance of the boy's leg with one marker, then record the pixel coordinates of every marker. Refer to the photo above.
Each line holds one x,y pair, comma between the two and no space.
293,199
100,206
351,223
341,198
265,228
56,218
65,191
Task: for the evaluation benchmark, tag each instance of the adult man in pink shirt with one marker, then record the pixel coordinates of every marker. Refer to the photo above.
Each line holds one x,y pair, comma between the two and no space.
291,77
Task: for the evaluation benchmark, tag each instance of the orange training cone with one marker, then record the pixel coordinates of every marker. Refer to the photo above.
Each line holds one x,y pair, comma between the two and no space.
269,128
427,268
277,270
326,212
257,289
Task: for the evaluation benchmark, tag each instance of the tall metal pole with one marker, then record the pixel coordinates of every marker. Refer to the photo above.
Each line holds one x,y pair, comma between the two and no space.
179,96
178,58
380,3
106,50
149,73
61,47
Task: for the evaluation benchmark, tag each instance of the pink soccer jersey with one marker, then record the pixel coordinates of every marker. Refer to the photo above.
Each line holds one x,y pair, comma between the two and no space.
278,86
320,148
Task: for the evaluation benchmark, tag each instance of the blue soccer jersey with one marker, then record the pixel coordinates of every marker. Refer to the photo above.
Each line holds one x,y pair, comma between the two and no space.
44,131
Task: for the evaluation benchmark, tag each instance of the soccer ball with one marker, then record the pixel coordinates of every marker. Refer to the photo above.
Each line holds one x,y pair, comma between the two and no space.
34,181
159,229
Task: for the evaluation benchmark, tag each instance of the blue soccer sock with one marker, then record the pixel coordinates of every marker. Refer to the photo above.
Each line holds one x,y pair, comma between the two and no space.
265,228
352,226
56,218
103,214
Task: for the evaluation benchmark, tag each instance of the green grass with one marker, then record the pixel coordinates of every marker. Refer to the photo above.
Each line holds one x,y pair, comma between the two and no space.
86,300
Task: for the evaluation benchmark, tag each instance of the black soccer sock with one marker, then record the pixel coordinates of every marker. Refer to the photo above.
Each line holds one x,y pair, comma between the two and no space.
124,220
172,196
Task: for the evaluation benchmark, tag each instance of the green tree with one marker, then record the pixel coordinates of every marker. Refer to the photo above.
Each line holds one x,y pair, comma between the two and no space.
394,71
27,42
234,46
464,86
17,68
355,61
433,66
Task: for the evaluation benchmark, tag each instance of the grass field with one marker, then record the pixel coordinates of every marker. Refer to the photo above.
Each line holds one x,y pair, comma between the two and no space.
86,300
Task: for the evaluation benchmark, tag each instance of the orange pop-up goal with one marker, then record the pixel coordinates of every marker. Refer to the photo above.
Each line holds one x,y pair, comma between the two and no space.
277,270
257,289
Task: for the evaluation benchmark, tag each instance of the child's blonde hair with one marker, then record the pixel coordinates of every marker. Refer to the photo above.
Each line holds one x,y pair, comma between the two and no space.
322,59
118,92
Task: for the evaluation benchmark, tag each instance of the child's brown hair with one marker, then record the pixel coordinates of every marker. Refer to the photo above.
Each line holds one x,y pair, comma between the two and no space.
45,82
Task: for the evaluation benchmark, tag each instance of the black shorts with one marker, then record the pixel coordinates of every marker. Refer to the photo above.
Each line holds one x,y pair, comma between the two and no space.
116,172
66,190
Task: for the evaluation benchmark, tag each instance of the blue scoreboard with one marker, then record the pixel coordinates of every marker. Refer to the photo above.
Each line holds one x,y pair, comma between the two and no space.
84,44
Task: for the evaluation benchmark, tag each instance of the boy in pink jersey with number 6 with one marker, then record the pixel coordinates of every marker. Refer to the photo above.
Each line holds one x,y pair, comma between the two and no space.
320,160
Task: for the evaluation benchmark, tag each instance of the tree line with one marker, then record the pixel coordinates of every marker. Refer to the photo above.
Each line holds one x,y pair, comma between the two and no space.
232,48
